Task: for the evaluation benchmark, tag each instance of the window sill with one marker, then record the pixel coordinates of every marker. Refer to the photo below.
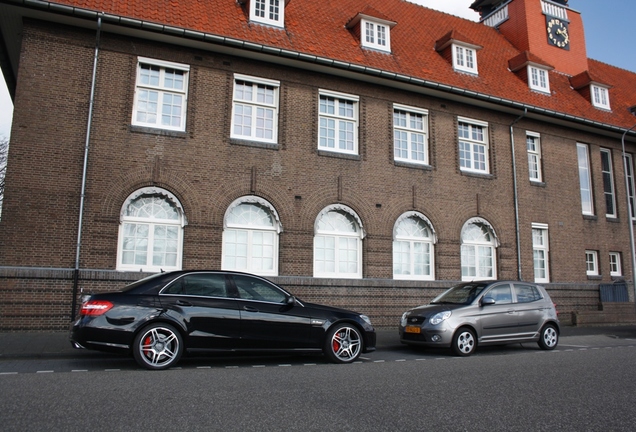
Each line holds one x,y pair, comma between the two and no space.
537,183
594,277
415,165
259,144
613,219
158,131
338,155
590,217
486,176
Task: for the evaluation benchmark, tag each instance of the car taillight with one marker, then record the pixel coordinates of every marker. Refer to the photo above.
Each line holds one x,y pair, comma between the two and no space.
95,307
555,308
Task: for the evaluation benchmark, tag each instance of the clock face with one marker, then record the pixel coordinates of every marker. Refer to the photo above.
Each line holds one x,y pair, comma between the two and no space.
558,33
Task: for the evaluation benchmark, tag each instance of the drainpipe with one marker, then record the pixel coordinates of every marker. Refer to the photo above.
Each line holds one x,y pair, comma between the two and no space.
629,205
85,169
515,191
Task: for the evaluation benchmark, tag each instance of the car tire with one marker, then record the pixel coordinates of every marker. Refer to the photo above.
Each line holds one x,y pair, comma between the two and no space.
464,342
158,346
343,343
549,337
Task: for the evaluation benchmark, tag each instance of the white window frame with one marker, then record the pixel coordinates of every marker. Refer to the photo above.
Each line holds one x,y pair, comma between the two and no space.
608,180
600,96
591,261
464,58
252,247
541,251
162,93
477,248
615,265
255,105
473,143
411,243
538,79
534,156
340,100
152,223
375,34
585,179
350,238
264,16
413,132
631,192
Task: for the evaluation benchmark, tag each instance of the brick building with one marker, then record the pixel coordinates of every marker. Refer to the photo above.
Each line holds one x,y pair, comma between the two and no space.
361,153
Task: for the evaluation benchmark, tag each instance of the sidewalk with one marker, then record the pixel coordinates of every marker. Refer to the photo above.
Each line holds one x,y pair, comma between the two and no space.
57,345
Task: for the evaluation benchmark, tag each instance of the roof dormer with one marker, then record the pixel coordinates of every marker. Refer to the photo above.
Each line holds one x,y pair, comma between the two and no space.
592,89
532,70
460,51
268,12
373,29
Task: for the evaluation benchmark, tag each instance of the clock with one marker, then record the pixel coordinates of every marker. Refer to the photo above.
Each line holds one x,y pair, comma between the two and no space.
558,33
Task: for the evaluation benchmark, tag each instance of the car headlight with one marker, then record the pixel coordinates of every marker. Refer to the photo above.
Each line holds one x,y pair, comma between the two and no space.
403,320
366,319
440,317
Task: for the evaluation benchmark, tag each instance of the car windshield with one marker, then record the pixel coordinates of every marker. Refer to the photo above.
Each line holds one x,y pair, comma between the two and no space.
460,294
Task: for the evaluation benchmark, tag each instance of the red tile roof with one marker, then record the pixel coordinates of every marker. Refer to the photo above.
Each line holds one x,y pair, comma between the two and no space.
318,28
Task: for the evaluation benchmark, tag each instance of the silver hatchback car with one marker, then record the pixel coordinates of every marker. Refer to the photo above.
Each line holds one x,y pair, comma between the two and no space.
483,313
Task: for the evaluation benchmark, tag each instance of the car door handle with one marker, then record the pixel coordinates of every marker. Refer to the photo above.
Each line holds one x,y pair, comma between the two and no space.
250,309
511,311
183,303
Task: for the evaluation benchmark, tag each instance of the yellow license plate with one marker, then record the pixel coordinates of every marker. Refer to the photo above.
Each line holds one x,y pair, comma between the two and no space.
412,329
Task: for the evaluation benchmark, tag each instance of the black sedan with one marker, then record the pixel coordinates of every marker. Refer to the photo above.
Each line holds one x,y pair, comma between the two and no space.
160,317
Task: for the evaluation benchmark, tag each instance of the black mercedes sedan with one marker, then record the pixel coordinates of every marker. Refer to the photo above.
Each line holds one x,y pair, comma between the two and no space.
159,318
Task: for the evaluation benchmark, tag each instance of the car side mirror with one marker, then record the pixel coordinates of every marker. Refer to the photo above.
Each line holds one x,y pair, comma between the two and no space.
487,301
291,301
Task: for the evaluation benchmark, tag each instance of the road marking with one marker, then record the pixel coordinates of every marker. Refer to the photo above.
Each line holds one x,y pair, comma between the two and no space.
79,370
45,371
8,373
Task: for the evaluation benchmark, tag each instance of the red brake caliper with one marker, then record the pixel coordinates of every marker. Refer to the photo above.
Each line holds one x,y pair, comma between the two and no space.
335,343
146,343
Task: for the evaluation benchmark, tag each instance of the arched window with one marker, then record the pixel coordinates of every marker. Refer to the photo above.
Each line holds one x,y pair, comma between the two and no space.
338,243
151,232
413,247
250,237
479,243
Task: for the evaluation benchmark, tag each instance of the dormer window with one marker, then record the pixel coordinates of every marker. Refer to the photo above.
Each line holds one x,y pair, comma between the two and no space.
373,29
600,96
459,50
270,12
376,36
464,59
538,79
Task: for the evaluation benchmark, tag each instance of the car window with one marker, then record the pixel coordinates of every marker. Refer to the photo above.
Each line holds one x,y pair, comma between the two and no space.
256,289
204,285
502,294
527,293
460,294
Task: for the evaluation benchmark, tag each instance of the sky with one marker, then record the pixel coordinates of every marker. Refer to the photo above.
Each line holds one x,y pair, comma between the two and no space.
608,35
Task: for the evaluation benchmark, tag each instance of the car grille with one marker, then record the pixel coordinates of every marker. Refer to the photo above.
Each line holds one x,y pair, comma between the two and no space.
415,320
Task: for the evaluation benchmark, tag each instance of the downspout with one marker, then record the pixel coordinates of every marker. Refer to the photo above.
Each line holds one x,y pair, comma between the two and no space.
516,192
85,169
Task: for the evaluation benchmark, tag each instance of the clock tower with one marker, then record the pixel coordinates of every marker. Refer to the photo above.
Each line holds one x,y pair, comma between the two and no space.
548,29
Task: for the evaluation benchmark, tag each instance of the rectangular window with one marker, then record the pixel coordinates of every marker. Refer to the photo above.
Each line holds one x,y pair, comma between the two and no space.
533,143
629,161
338,123
464,59
615,264
410,134
591,261
585,179
600,97
255,109
160,94
376,35
473,145
608,183
271,12
540,248
538,79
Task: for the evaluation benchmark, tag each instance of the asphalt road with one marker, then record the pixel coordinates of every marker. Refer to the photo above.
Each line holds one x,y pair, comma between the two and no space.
587,384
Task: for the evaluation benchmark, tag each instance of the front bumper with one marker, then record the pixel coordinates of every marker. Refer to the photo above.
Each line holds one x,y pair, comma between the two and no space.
429,336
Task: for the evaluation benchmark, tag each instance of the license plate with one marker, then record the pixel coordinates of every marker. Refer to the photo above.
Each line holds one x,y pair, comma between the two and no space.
412,329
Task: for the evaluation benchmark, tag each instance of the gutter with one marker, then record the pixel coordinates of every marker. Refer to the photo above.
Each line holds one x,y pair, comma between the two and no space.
229,42
85,169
